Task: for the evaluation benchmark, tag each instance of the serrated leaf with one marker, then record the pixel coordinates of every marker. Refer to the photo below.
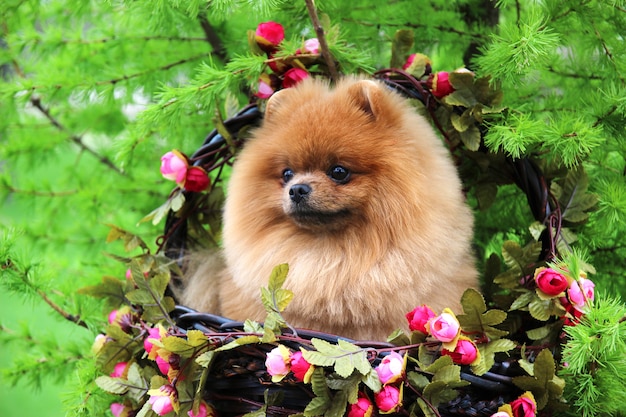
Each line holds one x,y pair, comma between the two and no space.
136,379
523,300
338,405
539,333
441,362
372,381
111,289
487,354
476,318
401,47
146,410
112,385
417,380
471,138
157,381
432,392
318,384
250,326
240,341
462,122
158,283
178,345
131,240
398,338
196,338
206,358
426,408
140,297
317,407
278,277
448,374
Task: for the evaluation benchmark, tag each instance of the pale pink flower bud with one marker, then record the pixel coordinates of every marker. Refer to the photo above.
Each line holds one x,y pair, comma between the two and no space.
277,363
265,89
112,316
161,404
174,167
312,46
444,327
390,368
575,293
501,414
203,411
117,409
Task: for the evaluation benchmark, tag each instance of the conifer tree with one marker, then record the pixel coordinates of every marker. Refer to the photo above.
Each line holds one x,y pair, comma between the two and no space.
92,94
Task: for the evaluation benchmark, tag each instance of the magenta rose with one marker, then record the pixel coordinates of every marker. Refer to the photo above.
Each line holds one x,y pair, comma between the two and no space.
163,364
465,352
119,369
174,167
524,406
419,317
390,368
388,399
300,367
161,404
294,76
440,84
269,35
362,408
153,333
204,410
196,179
580,291
550,282
445,327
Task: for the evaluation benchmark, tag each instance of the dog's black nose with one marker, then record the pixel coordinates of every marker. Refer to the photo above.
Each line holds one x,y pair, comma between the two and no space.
299,192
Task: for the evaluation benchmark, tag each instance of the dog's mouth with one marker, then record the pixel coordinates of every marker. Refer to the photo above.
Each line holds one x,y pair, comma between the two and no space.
307,217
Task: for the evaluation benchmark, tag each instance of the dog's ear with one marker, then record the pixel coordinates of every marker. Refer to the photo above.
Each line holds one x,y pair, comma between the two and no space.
274,102
367,96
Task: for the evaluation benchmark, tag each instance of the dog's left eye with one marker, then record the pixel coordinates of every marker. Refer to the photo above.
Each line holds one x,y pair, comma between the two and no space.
339,174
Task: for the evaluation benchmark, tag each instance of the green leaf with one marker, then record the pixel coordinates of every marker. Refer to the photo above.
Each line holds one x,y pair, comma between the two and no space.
471,138
345,357
417,380
139,385
544,384
440,363
278,277
477,318
523,300
111,289
338,405
206,358
401,47
112,385
240,341
196,338
487,354
179,346
398,338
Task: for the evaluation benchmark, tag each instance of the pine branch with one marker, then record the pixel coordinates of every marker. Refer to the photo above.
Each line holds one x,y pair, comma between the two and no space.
132,38
321,37
36,102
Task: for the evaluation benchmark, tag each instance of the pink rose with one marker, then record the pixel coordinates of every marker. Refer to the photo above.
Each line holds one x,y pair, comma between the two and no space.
465,352
312,46
204,410
419,317
524,406
196,180
440,84
390,368
174,167
294,76
362,408
277,363
444,327
161,404
501,414
164,365
265,89
117,409
550,282
119,369
300,367
112,318
578,296
388,399
269,35
153,333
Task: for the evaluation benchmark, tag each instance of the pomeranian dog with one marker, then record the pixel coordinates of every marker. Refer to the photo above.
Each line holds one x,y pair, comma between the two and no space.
353,189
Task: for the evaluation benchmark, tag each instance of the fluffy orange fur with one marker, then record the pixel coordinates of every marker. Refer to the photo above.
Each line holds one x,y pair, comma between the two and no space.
363,250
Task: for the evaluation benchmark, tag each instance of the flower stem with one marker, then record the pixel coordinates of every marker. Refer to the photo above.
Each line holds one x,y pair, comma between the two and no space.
319,31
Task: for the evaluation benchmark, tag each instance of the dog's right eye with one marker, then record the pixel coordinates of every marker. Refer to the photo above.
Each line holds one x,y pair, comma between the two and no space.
287,175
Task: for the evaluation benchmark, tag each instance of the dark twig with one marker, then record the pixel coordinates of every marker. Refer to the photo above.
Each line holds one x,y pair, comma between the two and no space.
321,37
212,37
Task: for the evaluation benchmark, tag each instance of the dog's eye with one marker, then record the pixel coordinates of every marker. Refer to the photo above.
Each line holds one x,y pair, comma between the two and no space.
287,175
339,174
